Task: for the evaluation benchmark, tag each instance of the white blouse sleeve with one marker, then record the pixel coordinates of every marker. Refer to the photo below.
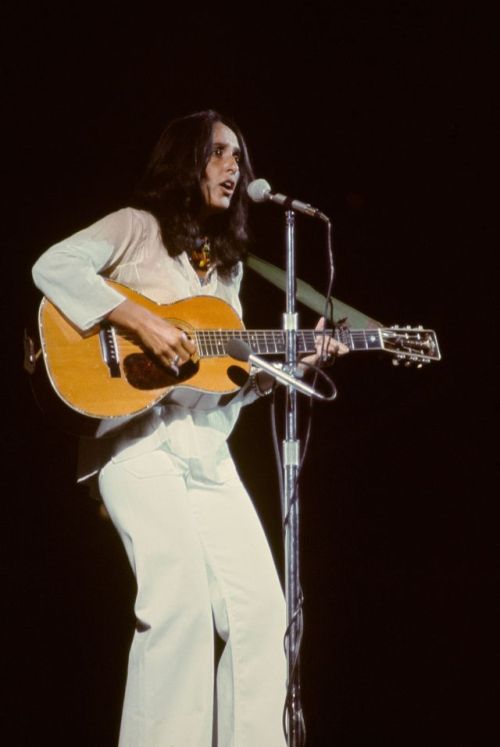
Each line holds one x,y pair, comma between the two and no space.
68,272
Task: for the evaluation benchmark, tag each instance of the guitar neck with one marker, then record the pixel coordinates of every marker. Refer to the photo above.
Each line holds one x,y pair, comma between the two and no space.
212,342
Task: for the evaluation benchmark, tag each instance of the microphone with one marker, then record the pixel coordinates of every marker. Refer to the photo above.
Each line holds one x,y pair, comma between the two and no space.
242,352
260,191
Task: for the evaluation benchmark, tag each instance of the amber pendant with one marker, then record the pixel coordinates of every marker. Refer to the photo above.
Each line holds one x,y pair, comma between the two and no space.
200,258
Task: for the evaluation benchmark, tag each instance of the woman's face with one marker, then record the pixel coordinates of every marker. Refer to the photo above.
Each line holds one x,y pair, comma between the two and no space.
222,171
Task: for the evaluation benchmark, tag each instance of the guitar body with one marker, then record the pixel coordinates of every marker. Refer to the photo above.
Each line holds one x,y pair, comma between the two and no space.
105,375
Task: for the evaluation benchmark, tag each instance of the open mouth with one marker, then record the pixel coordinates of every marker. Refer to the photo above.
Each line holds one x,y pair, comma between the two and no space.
228,186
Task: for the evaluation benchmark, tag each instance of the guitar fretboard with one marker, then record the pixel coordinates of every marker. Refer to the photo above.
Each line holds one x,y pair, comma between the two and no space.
212,342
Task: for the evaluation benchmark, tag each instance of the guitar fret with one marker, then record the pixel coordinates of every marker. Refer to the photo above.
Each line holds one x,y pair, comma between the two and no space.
363,339
359,340
221,348
210,342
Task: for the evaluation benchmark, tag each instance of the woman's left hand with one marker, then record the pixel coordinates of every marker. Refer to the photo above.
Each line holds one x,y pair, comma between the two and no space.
327,349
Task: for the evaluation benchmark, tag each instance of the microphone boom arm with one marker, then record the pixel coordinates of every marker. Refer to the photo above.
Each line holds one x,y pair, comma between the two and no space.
285,378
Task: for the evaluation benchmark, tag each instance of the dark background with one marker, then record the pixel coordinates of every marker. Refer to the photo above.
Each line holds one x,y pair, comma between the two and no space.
382,116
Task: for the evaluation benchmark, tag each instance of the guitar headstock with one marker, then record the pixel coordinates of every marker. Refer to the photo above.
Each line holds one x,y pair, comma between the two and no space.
410,345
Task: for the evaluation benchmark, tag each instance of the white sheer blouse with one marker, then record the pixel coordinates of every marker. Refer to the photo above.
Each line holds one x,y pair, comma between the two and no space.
126,246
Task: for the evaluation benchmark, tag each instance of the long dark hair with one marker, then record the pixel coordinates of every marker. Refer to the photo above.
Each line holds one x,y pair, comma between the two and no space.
170,190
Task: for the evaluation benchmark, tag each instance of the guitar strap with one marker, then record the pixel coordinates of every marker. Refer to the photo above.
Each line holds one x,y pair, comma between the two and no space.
310,297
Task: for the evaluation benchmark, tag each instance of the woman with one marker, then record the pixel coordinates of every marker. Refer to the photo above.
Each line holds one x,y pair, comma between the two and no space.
167,480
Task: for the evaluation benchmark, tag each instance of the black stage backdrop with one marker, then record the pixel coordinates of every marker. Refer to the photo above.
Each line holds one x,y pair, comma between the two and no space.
380,115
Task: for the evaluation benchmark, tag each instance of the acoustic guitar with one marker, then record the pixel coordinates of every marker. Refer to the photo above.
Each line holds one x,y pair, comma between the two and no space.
104,375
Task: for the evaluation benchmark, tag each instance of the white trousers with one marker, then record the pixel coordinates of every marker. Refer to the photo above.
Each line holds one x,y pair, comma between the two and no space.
201,559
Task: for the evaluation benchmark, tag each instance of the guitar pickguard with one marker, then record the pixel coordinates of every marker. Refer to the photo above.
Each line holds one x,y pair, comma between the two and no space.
143,372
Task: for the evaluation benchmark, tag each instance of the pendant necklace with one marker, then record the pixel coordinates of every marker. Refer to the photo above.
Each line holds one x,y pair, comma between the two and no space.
200,257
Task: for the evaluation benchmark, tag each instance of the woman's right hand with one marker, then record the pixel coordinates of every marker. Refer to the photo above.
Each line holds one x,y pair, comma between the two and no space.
169,344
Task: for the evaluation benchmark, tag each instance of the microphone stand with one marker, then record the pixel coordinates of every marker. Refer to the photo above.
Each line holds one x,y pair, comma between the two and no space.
291,462
260,191
292,713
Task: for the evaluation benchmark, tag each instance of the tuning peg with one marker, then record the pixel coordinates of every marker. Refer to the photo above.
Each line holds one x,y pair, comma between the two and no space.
395,362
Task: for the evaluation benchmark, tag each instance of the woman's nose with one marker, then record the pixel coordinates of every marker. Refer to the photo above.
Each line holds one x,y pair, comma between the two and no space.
232,165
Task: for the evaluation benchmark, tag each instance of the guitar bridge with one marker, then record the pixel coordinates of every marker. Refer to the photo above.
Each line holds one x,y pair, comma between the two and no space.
109,350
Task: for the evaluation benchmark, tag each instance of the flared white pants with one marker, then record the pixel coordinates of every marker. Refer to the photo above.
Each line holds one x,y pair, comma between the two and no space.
200,558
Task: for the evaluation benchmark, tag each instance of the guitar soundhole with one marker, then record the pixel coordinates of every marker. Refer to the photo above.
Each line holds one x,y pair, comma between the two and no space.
144,372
